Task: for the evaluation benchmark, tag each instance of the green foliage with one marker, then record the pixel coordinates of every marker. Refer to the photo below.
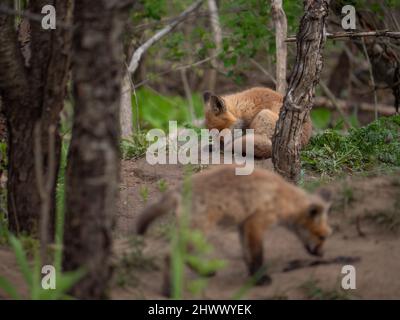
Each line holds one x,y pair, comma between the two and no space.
162,185
150,9
144,193
362,148
31,275
321,118
313,291
133,259
3,155
156,110
25,247
135,147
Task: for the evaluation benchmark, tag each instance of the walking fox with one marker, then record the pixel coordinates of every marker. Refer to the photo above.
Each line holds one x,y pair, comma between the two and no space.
256,108
253,203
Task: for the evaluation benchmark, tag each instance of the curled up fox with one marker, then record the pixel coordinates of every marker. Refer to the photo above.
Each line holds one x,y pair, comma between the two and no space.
256,108
252,204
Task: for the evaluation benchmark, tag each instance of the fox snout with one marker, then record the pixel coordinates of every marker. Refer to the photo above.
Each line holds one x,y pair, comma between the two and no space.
315,250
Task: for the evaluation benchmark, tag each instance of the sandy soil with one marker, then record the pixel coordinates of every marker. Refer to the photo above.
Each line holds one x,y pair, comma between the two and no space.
355,236
370,242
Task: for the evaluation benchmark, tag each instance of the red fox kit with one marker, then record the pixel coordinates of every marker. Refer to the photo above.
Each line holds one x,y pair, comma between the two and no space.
253,203
256,108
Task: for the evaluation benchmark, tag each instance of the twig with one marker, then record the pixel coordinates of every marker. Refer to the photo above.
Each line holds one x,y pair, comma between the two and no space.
137,55
263,70
384,110
186,66
339,35
371,73
332,97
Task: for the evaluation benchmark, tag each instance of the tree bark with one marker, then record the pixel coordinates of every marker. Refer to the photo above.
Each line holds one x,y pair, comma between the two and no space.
93,159
280,23
126,120
299,98
30,95
217,33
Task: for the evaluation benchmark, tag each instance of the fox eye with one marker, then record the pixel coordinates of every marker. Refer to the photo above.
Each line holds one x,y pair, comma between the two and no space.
314,211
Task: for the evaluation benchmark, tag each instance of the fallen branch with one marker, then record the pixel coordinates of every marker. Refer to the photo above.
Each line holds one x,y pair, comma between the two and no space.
137,55
324,102
299,264
340,35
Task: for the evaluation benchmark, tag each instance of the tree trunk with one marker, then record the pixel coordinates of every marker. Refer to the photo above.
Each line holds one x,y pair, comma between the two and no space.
29,96
93,159
217,33
299,98
126,120
280,23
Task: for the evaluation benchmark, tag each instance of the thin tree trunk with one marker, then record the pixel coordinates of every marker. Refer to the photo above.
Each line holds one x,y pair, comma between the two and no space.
217,33
188,94
299,98
126,120
93,159
280,23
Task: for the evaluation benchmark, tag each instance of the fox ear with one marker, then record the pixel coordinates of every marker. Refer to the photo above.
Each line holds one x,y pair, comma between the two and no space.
325,194
217,104
206,96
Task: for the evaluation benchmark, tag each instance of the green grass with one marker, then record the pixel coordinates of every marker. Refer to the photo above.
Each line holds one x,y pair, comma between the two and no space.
134,147
155,110
313,291
361,149
184,237
25,247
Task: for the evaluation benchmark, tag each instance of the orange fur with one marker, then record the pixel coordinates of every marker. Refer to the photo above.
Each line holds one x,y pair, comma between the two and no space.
253,203
256,108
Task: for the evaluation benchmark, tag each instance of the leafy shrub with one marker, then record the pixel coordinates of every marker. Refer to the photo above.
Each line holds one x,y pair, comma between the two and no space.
362,148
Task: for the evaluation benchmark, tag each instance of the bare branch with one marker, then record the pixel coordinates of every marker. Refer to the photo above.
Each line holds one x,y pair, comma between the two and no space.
339,35
137,55
327,103
332,98
263,70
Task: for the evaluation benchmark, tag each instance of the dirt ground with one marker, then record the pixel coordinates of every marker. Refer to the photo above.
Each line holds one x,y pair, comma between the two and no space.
364,217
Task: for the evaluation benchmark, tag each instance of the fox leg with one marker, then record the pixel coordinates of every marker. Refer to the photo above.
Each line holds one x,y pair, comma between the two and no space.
251,235
166,286
262,145
263,125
